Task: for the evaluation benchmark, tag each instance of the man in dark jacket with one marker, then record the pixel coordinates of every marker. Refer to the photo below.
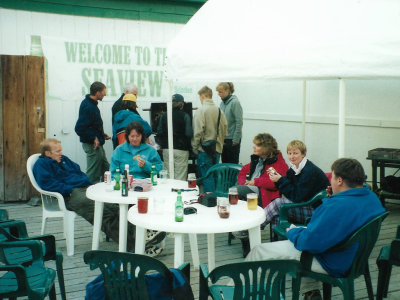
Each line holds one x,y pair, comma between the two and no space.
89,128
182,134
55,172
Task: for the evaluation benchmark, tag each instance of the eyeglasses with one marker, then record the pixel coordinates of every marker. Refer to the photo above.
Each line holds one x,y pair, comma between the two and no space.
189,210
193,201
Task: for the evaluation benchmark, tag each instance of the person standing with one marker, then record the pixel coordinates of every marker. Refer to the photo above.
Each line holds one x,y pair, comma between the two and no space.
233,111
89,128
182,134
205,129
130,88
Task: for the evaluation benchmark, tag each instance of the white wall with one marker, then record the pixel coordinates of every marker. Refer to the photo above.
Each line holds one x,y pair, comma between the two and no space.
372,106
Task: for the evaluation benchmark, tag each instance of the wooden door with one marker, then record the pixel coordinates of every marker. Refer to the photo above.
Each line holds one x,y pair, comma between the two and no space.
22,100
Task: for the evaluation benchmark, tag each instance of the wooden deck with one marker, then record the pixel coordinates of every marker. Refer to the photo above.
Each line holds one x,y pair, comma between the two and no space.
77,273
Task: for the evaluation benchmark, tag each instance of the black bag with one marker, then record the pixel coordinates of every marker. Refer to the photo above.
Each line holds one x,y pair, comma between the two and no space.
210,146
208,199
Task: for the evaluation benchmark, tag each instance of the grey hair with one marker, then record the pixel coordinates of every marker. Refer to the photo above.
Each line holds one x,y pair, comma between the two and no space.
130,87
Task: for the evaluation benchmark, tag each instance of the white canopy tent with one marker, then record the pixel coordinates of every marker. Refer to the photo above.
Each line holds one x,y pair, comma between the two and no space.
247,40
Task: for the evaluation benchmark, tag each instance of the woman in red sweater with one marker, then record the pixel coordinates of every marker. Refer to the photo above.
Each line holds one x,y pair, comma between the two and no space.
254,178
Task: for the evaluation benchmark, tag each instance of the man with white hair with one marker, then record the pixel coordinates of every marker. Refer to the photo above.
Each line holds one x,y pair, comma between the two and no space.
130,88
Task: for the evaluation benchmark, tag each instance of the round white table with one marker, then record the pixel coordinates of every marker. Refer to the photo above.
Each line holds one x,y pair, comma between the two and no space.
206,221
98,192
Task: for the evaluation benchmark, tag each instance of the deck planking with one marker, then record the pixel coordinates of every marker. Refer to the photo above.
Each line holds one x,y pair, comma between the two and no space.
77,273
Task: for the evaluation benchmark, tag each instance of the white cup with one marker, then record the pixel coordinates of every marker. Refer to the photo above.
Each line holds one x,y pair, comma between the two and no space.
163,176
158,205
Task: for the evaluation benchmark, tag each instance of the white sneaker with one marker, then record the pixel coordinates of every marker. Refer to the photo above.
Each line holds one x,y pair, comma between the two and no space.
154,237
153,251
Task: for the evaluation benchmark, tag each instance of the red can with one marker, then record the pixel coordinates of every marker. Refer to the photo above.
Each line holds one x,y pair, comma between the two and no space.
130,181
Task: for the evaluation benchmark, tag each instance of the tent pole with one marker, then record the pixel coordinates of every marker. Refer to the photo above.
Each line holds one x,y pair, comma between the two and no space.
170,132
303,121
342,112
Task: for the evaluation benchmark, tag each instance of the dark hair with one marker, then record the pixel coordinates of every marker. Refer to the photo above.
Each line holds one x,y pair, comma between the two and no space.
96,86
268,143
139,129
350,170
131,105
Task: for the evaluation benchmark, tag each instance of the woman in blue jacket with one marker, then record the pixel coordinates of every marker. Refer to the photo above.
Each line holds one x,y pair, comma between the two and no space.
136,153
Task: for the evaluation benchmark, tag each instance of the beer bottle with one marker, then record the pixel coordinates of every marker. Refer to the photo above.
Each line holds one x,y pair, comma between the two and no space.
153,175
179,208
117,178
124,186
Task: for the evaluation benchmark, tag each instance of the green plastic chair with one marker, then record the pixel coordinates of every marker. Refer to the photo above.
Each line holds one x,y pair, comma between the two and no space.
119,267
3,215
388,257
366,238
15,230
225,176
251,280
284,221
35,281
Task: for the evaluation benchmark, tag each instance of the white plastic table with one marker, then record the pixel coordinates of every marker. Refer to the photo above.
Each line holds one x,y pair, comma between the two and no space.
100,195
206,221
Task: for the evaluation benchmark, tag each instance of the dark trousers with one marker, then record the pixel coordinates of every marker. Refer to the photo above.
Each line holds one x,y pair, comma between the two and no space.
84,207
230,154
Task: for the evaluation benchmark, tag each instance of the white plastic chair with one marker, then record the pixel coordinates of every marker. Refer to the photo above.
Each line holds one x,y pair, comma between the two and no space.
53,207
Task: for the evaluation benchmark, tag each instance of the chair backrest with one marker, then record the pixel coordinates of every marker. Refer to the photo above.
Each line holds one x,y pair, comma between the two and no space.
257,279
124,273
3,215
365,237
51,201
225,176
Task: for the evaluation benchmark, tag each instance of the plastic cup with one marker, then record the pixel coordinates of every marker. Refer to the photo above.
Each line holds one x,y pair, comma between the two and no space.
233,196
252,200
223,208
192,183
163,176
143,204
158,204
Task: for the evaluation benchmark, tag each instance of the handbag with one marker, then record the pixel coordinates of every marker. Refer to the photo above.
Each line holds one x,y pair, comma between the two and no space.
210,146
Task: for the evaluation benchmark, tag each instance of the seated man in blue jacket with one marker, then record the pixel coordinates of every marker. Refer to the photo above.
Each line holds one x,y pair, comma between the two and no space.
55,172
347,208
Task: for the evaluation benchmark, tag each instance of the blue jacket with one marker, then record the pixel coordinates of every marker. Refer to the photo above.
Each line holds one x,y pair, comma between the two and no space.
302,187
125,154
332,222
122,120
59,177
89,124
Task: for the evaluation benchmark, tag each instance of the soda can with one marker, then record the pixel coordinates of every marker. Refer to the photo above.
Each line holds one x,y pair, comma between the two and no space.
107,177
130,182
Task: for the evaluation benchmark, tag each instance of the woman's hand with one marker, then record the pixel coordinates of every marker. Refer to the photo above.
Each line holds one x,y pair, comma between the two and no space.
249,182
141,162
274,176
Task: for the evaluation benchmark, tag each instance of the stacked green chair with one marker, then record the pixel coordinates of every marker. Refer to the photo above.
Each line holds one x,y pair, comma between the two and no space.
225,176
366,238
284,221
119,269
16,280
251,280
388,257
14,231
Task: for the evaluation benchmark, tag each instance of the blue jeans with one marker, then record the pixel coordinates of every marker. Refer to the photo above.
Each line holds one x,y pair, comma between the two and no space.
204,162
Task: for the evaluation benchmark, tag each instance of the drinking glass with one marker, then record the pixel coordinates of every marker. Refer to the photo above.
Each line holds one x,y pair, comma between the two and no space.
252,200
163,176
158,204
223,208
192,180
142,203
233,196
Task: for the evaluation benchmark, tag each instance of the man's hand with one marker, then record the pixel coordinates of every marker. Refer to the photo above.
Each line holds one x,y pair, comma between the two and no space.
235,144
291,227
96,143
106,136
329,191
274,176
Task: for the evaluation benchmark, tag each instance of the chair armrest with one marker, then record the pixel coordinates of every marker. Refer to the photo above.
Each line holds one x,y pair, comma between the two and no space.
34,246
58,196
14,229
20,275
203,282
185,268
50,245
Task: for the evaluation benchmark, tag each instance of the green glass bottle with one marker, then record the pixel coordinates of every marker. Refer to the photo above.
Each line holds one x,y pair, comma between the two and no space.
117,178
179,208
153,175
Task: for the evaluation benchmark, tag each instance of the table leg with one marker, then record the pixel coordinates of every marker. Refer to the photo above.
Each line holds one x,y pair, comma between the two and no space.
179,249
98,217
123,226
255,236
140,240
211,251
195,250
